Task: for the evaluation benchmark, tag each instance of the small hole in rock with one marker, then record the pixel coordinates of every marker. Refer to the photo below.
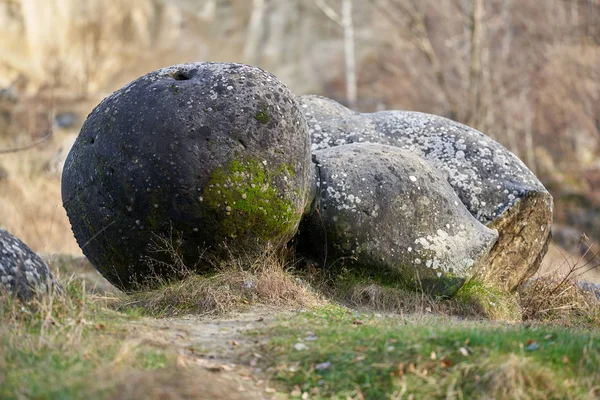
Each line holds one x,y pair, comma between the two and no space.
92,140
180,76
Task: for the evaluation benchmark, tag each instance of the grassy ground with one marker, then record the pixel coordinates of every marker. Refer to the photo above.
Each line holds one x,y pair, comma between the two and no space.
68,346
321,338
335,352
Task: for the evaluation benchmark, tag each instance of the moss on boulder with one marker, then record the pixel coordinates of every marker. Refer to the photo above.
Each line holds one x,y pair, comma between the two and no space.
212,156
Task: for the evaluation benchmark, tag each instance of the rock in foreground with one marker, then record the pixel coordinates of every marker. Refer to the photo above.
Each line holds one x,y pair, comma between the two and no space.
494,185
385,211
22,272
214,157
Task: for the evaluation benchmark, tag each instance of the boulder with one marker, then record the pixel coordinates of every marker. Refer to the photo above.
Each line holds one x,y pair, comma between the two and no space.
385,211
22,272
493,184
215,156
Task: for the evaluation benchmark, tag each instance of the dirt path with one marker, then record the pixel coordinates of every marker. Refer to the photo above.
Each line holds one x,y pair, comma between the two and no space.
219,352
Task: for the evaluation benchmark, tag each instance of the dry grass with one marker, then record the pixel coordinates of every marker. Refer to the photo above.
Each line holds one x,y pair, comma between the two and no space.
514,377
30,201
556,296
474,300
75,346
179,383
236,286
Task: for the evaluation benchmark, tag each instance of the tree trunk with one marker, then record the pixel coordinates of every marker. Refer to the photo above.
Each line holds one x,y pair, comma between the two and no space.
475,111
350,59
255,32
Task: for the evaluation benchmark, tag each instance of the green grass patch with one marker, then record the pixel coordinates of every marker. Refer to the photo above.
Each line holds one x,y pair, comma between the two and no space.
68,346
334,352
490,301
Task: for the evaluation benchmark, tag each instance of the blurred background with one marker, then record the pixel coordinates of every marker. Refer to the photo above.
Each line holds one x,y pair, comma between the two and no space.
525,72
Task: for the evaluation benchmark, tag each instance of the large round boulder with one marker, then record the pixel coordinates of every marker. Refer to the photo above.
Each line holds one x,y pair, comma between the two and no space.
214,158
385,211
494,185
22,272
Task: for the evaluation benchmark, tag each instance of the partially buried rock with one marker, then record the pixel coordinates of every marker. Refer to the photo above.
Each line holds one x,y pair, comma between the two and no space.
494,185
215,156
385,211
22,272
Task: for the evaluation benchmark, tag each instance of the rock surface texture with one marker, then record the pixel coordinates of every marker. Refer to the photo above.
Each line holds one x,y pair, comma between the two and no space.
214,156
22,272
492,183
381,208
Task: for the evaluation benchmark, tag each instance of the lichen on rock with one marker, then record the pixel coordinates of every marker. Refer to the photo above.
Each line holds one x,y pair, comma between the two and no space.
494,185
385,210
214,154
22,272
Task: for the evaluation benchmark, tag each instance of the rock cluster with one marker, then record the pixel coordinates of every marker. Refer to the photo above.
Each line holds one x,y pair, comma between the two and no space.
22,272
491,182
217,158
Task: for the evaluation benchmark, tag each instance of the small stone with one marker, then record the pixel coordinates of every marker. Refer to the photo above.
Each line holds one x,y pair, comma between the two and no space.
532,346
323,366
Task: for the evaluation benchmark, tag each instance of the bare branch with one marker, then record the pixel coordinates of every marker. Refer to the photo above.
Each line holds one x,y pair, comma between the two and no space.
29,146
330,12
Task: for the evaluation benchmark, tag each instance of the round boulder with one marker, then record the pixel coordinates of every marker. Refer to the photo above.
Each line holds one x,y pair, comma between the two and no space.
385,211
192,161
22,272
495,186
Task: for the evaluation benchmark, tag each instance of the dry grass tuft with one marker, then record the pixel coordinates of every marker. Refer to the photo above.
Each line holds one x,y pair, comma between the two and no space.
380,298
472,301
558,297
180,383
389,299
514,377
267,281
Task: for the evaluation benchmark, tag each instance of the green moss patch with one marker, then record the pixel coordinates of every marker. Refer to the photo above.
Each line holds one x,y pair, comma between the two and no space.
262,116
248,202
491,301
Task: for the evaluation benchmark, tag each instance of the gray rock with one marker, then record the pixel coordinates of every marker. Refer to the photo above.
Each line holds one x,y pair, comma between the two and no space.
594,288
494,185
66,120
22,272
386,211
213,155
